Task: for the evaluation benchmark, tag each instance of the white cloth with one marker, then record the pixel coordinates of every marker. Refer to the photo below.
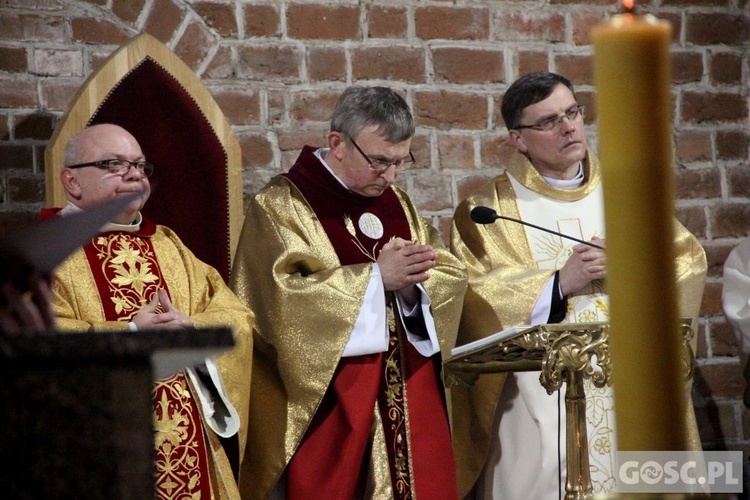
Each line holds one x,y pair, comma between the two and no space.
736,294
528,458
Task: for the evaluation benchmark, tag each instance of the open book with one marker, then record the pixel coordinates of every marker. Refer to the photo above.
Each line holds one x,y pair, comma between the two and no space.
490,340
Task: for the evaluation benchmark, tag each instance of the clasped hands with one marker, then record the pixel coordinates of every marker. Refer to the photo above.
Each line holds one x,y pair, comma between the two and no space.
171,318
585,264
403,265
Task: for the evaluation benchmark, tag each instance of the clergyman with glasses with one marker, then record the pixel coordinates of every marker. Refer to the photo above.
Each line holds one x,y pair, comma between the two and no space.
360,299
509,433
137,275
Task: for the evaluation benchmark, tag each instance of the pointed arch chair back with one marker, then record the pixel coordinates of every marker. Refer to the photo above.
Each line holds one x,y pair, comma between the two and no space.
197,184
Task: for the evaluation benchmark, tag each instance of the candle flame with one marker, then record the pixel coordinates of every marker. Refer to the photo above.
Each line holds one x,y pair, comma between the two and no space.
628,6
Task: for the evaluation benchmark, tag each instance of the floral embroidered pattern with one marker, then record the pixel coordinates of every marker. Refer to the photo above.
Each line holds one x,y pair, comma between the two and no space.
128,265
179,442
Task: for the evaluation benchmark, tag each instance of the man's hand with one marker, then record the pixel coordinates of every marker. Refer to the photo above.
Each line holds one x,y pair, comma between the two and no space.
584,265
29,310
404,264
171,318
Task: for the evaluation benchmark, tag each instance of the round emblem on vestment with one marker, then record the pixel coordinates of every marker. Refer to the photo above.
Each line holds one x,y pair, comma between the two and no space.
371,226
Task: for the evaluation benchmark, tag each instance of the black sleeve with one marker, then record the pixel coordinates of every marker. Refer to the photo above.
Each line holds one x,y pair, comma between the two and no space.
559,306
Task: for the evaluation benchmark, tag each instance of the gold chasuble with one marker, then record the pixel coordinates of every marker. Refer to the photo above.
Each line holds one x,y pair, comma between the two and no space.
509,266
102,286
327,426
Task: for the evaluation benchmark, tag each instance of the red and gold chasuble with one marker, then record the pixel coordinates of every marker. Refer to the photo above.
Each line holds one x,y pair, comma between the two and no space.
402,384
127,274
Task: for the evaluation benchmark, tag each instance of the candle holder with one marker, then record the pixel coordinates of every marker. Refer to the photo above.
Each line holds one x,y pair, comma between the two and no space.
563,353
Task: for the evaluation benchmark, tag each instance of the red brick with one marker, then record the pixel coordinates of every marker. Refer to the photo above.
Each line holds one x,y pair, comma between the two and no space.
495,151
323,22
530,26
723,340
313,105
387,21
31,28
445,109
276,107
738,182
703,183
326,64
4,127
532,60
712,29
269,62
221,65
693,146
293,139
48,62
701,351
430,192
257,151
420,148
732,145
219,16
471,183
240,106
711,303
687,67
128,10
13,59
50,5
719,381
16,93
702,107
194,45
729,220
726,68
455,151
98,30
582,23
716,255
33,126
163,20
16,157
262,20
694,219
57,95
444,228
576,67
705,3
389,63
452,23
465,65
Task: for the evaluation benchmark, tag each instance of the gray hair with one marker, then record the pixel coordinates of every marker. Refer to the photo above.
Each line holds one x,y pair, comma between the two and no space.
362,107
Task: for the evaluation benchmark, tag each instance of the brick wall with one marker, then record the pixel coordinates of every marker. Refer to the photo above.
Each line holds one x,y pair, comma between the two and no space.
277,66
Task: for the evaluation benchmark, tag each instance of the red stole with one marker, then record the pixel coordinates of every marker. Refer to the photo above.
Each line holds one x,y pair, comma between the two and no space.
127,275
330,461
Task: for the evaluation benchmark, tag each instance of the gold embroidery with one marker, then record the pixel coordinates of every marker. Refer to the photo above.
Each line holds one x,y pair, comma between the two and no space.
126,264
178,441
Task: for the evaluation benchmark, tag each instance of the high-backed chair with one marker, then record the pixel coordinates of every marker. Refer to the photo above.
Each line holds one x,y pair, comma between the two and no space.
197,184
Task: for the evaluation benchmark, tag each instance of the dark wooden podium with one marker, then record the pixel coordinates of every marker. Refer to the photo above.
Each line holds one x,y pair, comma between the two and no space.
76,418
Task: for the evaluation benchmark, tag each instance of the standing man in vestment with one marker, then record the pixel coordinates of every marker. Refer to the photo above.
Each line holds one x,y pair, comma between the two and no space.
136,275
509,434
360,300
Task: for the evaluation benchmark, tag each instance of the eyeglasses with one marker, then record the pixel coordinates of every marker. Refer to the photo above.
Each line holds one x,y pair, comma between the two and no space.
380,165
553,122
118,166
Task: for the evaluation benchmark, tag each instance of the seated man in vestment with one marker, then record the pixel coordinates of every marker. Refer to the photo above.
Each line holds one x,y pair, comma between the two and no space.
361,300
509,434
137,275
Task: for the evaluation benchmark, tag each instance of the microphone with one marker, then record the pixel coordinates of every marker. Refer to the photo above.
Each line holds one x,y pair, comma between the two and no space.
486,215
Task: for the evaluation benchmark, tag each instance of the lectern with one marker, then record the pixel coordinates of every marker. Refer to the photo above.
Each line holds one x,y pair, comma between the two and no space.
564,353
76,417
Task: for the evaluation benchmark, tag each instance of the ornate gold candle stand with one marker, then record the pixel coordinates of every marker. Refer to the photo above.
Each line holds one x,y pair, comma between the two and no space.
563,352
